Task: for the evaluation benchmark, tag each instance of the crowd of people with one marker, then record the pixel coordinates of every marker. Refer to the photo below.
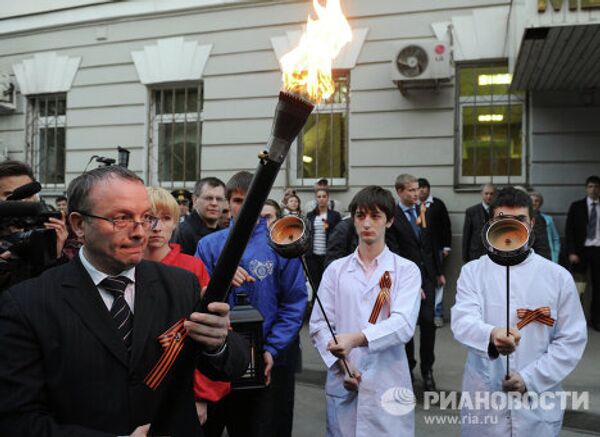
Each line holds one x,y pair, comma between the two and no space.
80,342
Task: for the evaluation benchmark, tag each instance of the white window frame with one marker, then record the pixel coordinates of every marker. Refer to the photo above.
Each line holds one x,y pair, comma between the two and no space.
155,120
298,181
34,123
489,100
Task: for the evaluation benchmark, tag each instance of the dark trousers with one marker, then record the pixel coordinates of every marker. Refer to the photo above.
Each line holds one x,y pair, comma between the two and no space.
316,267
592,259
267,412
427,329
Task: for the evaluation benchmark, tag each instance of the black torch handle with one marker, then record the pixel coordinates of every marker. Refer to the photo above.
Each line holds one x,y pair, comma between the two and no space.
312,285
507,318
227,264
291,113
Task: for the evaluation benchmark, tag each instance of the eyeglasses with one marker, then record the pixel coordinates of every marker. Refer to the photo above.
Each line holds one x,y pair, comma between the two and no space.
212,199
121,223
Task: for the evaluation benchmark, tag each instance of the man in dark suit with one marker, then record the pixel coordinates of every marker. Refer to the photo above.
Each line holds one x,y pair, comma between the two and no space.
582,241
208,203
416,243
475,219
441,227
441,231
77,343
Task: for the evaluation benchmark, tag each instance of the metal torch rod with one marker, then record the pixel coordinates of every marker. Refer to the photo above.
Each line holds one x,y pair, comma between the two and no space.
507,318
312,285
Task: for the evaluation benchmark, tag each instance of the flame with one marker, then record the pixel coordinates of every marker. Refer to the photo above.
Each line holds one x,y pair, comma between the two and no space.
307,67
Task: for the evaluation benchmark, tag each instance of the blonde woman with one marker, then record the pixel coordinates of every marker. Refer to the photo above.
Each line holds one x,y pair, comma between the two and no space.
166,209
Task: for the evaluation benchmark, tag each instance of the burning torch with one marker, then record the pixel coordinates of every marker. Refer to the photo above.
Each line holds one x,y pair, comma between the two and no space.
306,72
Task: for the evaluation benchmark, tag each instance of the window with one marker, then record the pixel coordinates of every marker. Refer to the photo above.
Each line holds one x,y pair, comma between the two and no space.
175,137
321,149
491,124
46,138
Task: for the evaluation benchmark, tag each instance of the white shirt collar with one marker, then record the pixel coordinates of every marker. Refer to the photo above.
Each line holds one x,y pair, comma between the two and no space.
590,201
379,260
486,207
98,276
404,207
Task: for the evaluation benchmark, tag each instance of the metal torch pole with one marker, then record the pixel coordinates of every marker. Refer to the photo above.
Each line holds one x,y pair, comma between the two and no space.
507,318
312,285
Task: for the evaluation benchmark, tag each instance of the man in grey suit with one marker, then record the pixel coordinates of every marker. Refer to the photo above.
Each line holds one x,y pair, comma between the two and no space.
475,218
77,343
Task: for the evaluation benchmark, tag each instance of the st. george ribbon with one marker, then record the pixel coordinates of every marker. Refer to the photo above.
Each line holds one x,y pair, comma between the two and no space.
291,114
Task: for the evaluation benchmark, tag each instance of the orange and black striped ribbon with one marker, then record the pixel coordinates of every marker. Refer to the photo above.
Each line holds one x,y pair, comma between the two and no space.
383,298
172,341
541,314
421,219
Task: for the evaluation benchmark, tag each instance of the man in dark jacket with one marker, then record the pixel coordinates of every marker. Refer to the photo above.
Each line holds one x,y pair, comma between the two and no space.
208,203
475,219
342,241
414,241
441,231
582,241
77,343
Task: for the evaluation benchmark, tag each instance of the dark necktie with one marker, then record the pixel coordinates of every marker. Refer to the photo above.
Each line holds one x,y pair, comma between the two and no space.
591,227
413,221
120,311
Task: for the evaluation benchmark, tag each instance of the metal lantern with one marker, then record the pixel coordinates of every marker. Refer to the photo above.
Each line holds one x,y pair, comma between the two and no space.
248,322
508,241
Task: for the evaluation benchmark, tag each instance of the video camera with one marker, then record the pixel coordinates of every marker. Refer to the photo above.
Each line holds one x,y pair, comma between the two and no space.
23,234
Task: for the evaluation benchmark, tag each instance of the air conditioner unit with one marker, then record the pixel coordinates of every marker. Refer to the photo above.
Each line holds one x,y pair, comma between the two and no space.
8,94
423,63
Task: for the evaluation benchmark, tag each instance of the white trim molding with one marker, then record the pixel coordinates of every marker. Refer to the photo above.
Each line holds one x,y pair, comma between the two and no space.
345,60
171,60
46,73
480,35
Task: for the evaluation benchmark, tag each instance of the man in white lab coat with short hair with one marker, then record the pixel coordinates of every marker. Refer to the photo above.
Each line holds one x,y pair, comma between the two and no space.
372,325
542,352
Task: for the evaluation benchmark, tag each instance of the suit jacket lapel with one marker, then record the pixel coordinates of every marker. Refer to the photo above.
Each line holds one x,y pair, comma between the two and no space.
403,222
485,215
145,296
82,295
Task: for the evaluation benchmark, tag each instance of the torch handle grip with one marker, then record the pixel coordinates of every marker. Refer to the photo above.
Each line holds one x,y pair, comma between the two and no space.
243,226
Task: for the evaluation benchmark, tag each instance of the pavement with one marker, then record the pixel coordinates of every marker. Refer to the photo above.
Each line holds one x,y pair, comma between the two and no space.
309,415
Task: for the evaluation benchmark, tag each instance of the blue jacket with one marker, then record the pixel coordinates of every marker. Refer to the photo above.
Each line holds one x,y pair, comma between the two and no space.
553,237
279,292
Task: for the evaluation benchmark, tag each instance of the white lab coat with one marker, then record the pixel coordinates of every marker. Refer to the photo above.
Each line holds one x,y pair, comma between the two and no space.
545,355
348,298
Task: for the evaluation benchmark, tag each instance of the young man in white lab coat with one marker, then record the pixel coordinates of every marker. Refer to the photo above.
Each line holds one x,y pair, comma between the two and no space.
372,325
542,352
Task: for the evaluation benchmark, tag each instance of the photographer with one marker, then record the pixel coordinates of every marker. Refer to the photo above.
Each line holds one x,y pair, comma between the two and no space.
17,184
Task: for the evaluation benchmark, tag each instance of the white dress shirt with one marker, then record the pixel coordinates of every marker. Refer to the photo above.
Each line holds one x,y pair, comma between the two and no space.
596,241
98,276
